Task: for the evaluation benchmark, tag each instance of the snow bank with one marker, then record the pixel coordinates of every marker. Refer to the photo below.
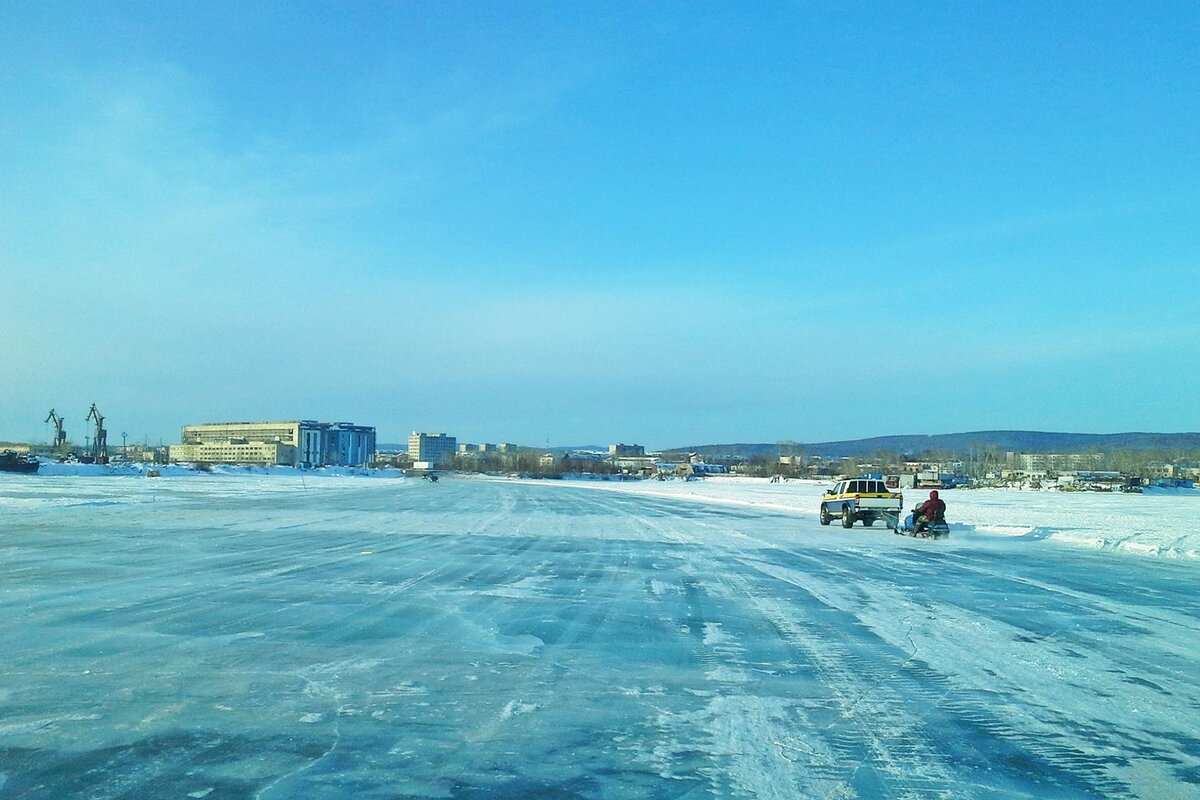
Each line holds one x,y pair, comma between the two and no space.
56,469
83,486
1164,524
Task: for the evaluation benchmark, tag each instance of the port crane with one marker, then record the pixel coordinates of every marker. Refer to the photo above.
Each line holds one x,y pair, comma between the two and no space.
60,436
100,440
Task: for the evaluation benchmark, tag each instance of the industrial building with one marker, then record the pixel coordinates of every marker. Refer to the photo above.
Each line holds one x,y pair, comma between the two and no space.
296,443
432,448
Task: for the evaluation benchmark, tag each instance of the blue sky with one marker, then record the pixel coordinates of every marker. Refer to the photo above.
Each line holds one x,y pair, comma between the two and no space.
671,223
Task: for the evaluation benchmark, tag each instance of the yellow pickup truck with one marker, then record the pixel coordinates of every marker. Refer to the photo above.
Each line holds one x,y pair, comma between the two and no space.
864,499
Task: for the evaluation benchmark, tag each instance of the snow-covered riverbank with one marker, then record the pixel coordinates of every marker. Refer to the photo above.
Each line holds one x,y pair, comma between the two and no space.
1164,523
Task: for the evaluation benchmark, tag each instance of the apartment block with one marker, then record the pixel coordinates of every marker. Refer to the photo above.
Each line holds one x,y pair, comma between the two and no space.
434,448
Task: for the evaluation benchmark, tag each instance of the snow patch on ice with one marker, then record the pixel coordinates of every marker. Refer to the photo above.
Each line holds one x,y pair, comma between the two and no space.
749,747
525,644
525,588
1004,530
660,588
50,723
727,674
713,633
515,708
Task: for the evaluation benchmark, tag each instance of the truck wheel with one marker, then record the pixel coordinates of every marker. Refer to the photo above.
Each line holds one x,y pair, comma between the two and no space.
825,515
847,517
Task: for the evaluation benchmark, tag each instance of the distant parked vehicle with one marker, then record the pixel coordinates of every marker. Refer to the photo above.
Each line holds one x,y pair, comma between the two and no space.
862,499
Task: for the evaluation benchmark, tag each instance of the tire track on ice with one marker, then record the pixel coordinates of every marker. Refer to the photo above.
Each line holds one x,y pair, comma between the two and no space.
745,735
841,670
1032,736
883,737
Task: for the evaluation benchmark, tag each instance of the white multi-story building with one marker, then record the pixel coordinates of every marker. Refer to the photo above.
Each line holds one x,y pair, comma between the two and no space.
297,443
1031,462
433,448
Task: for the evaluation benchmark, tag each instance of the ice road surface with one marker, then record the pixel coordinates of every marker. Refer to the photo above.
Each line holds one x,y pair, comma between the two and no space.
268,637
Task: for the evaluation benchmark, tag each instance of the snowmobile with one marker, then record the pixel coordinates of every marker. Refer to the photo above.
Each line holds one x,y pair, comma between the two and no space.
934,529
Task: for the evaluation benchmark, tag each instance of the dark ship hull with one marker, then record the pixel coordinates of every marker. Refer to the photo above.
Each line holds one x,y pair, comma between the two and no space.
18,462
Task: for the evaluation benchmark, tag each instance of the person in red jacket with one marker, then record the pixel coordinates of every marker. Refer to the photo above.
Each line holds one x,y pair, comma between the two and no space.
932,510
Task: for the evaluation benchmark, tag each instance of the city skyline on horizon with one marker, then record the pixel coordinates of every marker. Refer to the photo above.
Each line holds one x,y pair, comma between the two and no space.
401,440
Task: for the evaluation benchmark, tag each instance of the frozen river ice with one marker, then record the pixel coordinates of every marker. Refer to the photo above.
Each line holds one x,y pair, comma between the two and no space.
241,637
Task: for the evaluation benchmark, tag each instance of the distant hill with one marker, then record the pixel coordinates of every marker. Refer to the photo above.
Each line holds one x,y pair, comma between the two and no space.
1022,441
